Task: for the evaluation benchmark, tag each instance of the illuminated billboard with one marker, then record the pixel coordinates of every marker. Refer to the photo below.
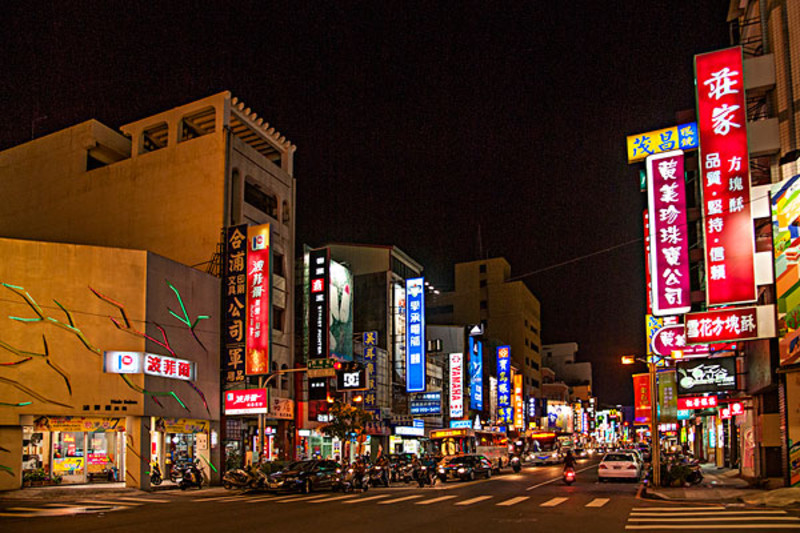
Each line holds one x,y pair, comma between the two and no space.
725,176
785,197
456,385
669,238
475,374
340,297
319,315
234,298
259,285
415,335
642,145
505,413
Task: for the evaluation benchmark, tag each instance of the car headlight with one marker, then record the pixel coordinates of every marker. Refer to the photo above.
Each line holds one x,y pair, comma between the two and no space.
441,470
461,470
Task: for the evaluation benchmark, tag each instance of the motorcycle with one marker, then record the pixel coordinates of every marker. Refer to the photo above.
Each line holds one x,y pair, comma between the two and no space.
569,475
348,479
239,478
378,476
516,464
424,476
155,474
192,476
406,474
177,469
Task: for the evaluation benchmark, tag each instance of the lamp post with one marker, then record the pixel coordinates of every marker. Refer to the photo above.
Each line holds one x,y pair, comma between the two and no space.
655,444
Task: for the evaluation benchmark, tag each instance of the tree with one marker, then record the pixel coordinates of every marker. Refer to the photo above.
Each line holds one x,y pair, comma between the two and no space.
347,420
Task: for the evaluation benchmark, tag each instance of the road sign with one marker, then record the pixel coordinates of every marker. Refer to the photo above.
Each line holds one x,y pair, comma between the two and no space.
320,363
321,372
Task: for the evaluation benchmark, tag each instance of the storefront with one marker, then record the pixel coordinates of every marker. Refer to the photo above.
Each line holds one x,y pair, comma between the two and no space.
407,439
178,440
73,449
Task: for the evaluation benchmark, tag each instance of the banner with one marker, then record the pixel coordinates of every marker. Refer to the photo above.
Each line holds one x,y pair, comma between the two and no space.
641,398
90,424
700,376
785,197
234,300
667,397
475,374
259,301
505,413
456,385
415,335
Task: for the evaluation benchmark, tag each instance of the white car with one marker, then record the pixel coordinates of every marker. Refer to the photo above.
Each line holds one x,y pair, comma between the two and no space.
550,457
619,465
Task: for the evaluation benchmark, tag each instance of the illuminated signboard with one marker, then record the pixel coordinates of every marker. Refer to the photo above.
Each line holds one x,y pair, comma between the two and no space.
235,299
456,385
519,410
669,238
648,281
448,433
370,357
683,137
505,413
641,398
725,170
706,375
319,264
731,410
259,274
246,402
475,374
117,362
731,324
415,335
461,424
697,402
429,403
785,198
340,322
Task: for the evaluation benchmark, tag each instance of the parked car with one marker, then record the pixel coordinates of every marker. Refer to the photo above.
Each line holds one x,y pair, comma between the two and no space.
619,465
548,457
464,467
304,476
580,453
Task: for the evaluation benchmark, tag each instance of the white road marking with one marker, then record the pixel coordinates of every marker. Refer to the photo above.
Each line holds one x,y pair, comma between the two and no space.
403,499
108,502
726,527
146,500
221,498
302,499
559,478
554,502
369,498
718,519
514,501
334,498
707,508
436,500
263,499
473,500
598,502
18,515
709,513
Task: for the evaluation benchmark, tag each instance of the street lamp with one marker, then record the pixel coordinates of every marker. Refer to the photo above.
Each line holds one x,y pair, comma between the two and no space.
655,444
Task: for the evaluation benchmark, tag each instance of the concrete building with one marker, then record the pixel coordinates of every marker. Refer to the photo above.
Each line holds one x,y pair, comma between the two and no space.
577,375
508,310
169,184
69,414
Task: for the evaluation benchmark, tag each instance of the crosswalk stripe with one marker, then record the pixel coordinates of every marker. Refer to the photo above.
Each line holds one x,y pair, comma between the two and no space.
554,502
474,500
17,515
711,513
335,498
108,502
221,498
262,499
403,499
58,505
436,500
706,508
598,502
303,499
368,499
726,527
145,500
514,501
719,519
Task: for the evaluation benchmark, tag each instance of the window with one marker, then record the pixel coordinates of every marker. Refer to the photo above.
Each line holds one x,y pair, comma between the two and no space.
285,212
266,203
154,138
534,330
535,348
526,342
197,124
278,315
484,304
527,361
278,267
482,268
483,283
534,382
526,322
534,365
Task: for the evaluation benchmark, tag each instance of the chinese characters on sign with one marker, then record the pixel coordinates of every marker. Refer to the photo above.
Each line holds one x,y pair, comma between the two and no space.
706,375
456,385
683,137
648,281
725,175
505,413
319,263
235,299
370,359
259,274
697,402
475,374
519,409
415,335
669,239
246,402
116,362
427,403
726,325
641,396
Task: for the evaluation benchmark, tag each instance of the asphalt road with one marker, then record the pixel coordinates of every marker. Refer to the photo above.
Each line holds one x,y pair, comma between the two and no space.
534,500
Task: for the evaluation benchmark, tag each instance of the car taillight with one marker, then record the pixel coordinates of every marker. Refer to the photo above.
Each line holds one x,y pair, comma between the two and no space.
631,467
603,467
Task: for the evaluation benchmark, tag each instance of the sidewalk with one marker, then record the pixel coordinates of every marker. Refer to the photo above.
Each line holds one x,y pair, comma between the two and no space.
723,485
67,492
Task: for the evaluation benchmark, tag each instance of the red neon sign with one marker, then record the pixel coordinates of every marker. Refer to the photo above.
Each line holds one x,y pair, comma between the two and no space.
258,301
696,402
725,325
725,170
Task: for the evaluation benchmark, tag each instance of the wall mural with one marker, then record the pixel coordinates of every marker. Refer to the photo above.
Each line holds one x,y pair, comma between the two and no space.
123,324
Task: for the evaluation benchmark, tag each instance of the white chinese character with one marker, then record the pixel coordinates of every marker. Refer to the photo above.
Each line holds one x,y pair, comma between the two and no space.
735,184
736,163
713,161
414,305
716,253
667,169
672,255
673,295
672,276
732,324
415,317
258,266
692,329
748,323
721,83
668,337
415,329
714,207
715,225
668,193
415,358
257,291
736,204
414,341
717,272
671,235
668,215
722,119
718,326
713,178
680,340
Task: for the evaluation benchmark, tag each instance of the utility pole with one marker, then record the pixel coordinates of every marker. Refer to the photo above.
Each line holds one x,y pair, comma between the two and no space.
654,440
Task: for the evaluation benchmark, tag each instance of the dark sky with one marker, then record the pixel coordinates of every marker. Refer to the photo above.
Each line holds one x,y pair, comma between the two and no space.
416,123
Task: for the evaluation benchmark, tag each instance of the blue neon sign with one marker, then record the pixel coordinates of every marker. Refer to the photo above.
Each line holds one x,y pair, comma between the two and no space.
505,413
475,374
415,335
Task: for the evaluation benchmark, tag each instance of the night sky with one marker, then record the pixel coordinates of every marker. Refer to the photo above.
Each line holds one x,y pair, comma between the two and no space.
416,123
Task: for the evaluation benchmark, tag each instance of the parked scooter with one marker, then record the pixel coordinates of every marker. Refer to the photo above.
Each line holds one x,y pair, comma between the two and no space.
516,464
240,478
378,476
155,474
350,479
569,475
192,476
424,475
